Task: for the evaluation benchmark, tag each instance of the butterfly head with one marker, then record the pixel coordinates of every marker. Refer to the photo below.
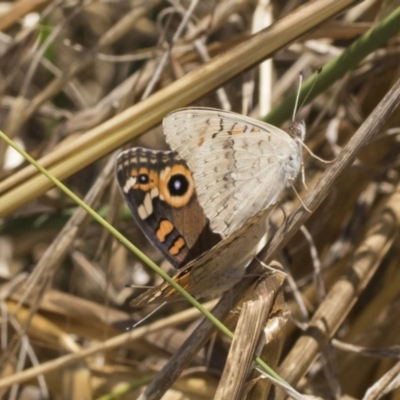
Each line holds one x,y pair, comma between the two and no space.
297,130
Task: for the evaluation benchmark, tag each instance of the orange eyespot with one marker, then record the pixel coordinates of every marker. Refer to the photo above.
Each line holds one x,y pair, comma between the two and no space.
176,185
146,179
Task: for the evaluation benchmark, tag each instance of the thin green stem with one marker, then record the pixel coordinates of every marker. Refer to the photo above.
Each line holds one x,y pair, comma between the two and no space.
338,67
134,250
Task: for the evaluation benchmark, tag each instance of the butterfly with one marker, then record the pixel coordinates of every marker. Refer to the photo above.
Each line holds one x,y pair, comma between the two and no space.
159,190
224,176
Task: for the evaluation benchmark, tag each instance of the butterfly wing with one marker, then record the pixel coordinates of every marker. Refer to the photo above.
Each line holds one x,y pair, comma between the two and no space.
239,165
159,190
215,271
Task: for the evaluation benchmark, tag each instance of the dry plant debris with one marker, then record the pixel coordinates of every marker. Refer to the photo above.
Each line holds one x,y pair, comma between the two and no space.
81,79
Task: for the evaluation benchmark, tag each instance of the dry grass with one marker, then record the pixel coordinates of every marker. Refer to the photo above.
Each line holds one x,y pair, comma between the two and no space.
89,77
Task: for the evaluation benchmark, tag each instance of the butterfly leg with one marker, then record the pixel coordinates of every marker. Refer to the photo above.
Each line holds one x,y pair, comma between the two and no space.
303,175
273,266
298,196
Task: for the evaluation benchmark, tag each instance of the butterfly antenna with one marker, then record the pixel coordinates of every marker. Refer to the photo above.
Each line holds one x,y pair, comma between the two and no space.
147,316
319,70
297,95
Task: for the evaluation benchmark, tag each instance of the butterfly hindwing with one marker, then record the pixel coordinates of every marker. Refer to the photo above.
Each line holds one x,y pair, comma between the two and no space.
215,271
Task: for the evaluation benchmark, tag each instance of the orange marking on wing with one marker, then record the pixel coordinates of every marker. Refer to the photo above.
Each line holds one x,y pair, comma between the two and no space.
237,130
200,142
182,278
178,245
183,281
164,229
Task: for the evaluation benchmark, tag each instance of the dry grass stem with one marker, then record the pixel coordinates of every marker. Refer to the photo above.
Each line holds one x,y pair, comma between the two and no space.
125,126
274,338
105,346
82,80
343,295
251,323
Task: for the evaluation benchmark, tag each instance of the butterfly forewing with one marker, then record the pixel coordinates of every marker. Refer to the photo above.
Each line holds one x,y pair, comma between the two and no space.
159,190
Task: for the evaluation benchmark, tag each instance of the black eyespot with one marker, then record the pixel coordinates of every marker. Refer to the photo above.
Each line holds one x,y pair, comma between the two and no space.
143,178
178,185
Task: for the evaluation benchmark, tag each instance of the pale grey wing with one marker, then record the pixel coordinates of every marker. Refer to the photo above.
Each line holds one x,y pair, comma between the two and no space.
234,185
239,165
187,128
